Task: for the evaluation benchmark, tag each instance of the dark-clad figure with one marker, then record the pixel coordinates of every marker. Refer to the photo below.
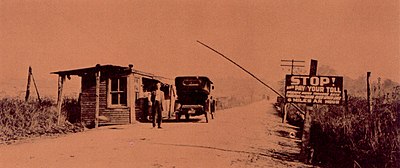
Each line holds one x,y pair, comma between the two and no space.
157,99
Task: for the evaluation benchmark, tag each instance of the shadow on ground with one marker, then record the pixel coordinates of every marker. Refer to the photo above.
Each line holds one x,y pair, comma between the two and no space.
284,156
289,143
288,146
191,120
210,147
165,120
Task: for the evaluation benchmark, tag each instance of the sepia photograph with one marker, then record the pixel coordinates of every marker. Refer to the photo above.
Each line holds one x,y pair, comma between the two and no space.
200,84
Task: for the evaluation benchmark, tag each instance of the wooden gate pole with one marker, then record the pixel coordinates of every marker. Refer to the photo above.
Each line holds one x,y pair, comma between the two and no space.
61,79
305,153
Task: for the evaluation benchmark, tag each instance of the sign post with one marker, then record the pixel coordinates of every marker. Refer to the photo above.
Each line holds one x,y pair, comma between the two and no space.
305,137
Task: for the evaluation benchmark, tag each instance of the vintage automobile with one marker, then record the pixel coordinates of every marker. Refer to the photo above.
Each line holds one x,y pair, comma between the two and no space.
194,97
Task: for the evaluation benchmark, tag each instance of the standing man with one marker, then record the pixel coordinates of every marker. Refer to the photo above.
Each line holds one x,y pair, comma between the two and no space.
157,98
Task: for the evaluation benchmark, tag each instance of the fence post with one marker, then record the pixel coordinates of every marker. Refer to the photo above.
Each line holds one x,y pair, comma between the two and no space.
28,86
346,100
369,93
37,90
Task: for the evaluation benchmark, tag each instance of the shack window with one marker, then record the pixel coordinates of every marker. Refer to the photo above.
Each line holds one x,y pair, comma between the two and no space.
118,91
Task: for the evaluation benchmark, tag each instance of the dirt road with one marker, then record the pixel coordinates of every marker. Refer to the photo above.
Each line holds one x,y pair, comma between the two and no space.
249,136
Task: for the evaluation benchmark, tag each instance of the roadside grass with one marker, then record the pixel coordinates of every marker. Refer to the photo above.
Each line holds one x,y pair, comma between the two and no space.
348,137
21,120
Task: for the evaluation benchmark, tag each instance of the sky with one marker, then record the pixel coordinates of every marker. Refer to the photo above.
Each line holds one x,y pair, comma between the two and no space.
350,36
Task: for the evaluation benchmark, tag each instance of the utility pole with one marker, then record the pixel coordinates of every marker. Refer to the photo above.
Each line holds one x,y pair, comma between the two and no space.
292,65
305,152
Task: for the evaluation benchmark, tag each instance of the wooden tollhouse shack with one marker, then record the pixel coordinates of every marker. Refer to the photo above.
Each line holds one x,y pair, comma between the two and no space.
111,94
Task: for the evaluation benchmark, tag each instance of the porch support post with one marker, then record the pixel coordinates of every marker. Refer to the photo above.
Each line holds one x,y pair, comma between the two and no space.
97,109
61,79
132,97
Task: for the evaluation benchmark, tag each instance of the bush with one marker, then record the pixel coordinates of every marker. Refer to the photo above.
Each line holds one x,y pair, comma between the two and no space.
19,119
343,137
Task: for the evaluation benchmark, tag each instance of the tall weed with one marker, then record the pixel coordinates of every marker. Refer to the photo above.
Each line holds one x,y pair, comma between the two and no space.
19,119
347,136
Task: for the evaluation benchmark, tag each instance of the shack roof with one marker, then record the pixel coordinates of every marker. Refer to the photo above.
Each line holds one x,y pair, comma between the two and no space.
108,68
89,70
